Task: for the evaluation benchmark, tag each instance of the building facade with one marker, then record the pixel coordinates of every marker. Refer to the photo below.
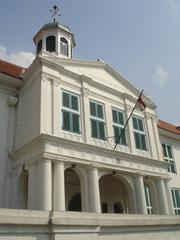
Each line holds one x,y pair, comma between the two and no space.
60,120
170,139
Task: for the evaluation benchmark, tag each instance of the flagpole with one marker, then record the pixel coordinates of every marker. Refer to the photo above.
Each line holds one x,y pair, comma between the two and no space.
123,130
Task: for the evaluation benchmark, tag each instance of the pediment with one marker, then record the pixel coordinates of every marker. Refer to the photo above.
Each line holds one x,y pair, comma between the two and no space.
100,73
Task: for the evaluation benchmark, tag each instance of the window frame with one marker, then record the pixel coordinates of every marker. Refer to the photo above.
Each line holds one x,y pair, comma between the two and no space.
98,120
119,126
168,159
140,133
64,45
176,207
148,198
71,111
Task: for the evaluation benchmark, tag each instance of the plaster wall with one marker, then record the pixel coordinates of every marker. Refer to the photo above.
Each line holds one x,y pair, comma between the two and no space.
175,177
28,112
7,116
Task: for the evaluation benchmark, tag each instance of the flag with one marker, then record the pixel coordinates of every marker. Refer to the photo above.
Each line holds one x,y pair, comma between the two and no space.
141,104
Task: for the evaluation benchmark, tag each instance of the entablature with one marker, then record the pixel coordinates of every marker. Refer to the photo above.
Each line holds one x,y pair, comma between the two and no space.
60,149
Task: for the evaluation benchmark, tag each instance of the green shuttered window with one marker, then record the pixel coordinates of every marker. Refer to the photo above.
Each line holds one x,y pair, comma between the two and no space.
148,199
118,125
176,200
70,112
168,157
97,120
139,133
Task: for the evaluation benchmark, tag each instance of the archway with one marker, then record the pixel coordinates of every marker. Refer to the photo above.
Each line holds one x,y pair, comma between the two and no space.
22,190
151,196
114,195
72,191
118,207
75,203
51,44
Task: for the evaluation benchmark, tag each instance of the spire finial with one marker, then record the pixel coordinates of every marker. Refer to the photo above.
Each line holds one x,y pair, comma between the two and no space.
55,13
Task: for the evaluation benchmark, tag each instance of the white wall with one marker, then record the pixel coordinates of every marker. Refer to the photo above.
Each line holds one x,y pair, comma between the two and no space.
175,177
55,80
7,117
28,111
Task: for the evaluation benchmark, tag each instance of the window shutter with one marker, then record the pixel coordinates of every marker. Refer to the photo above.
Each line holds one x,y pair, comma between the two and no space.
66,120
65,99
101,130
121,119
92,109
75,123
115,119
74,103
99,111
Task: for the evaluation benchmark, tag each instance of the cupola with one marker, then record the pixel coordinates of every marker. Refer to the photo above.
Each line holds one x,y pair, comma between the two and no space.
55,38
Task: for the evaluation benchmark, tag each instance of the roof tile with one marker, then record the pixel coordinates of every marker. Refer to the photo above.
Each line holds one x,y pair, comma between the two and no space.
168,127
11,69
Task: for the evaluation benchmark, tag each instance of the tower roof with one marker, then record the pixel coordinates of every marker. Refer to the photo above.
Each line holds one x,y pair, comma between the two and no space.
59,26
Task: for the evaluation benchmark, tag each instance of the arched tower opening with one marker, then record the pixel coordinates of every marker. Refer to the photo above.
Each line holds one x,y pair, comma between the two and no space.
72,191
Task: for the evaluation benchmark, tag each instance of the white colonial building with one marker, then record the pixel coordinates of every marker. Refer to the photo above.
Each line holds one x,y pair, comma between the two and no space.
170,140
57,119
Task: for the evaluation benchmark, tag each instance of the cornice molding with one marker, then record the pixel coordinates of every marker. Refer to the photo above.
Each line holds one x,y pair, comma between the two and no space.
10,81
41,144
169,135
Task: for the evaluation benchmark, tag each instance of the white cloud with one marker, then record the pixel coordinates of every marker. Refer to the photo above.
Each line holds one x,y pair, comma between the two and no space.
173,3
21,58
161,76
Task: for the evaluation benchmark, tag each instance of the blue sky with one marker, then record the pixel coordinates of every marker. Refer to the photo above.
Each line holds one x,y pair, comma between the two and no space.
138,38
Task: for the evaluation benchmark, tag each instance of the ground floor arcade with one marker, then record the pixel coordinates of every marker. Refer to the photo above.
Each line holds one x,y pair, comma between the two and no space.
60,186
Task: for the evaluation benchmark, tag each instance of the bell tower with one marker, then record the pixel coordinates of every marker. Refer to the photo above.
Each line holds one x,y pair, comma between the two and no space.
55,38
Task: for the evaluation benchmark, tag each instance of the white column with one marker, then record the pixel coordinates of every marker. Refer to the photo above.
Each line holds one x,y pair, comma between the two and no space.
32,186
94,196
163,204
44,185
157,140
86,112
109,122
150,137
56,114
59,187
169,197
140,195
13,188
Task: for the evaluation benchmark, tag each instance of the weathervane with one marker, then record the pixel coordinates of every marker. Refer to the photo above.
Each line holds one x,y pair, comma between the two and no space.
55,13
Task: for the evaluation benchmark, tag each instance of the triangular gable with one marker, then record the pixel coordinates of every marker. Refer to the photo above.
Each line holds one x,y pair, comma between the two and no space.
99,72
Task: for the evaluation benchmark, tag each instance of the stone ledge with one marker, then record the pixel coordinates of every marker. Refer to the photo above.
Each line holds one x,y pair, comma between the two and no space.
112,220
76,219
24,217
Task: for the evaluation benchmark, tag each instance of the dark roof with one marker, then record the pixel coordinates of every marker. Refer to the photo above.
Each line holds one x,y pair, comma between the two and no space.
11,69
168,127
